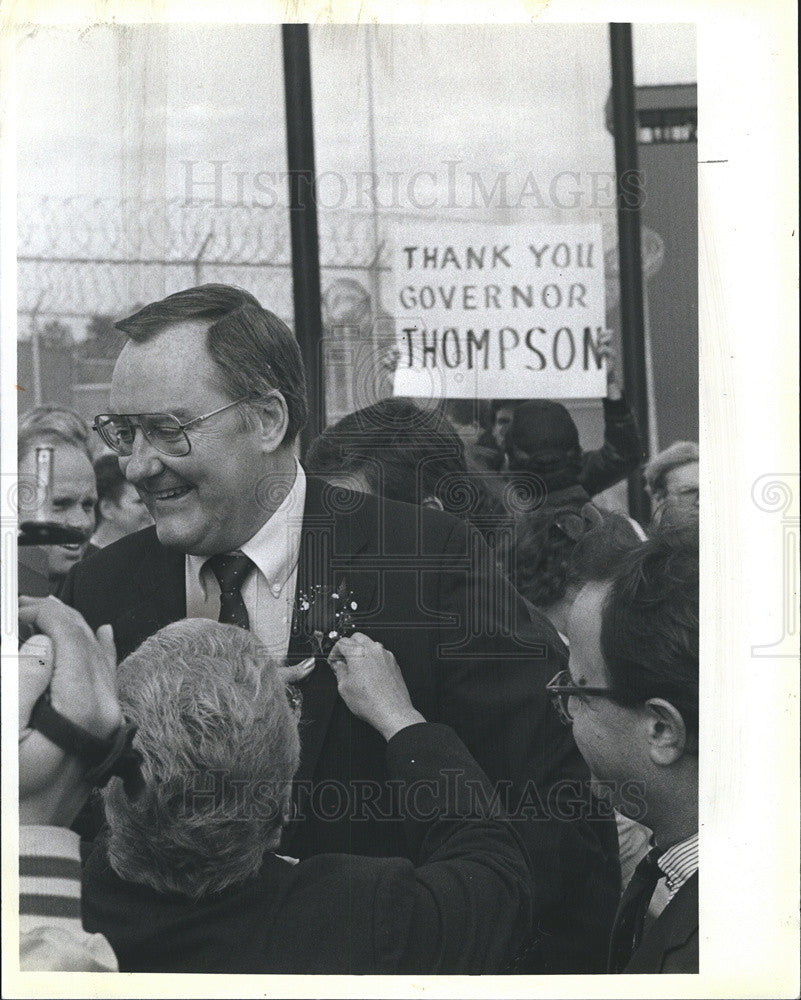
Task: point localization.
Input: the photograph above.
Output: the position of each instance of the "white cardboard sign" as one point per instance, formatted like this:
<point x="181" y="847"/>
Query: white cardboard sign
<point x="504" y="312"/>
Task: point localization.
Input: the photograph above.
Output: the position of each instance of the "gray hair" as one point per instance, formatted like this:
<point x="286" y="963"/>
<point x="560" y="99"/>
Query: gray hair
<point x="220" y="748"/>
<point x="679" y="453"/>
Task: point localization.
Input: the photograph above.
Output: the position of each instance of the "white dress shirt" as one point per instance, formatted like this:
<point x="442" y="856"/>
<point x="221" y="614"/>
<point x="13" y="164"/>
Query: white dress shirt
<point x="269" y="589"/>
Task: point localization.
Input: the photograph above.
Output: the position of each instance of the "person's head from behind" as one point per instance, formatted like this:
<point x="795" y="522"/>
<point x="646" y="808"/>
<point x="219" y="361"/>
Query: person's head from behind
<point x="671" y="479"/>
<point x="543" y="440"/>
<point x="397" y="450"/>
<point x="220" y="747"/>
<point x="120" y="509"/>
<point x="556" y="546"/>
<point x="634" y="638"/>
<point x="74" y="493"/>
<point x="212" y="359"/>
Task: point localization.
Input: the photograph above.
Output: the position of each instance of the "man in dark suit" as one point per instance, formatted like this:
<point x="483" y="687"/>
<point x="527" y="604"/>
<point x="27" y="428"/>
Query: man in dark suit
<point x="208" y="397"/>
<point x="631" y="696"/>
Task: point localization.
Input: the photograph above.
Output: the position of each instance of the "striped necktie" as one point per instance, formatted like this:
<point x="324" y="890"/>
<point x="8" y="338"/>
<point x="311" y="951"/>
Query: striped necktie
<point x="231" y="568"/>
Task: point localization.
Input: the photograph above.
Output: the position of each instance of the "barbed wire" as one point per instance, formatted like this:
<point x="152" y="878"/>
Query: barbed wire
<point x="81" y="257"/>
<point x="78" y="258"/>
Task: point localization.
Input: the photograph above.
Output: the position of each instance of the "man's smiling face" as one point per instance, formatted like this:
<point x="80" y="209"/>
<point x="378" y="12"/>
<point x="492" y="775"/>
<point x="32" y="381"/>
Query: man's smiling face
<point x="207" y="501"/>
<point x="72" y="502"/>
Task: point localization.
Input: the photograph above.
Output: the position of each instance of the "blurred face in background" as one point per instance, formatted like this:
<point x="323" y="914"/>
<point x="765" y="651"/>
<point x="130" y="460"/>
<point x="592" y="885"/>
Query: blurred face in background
<point x="678" y="499"/>
<point x="503" y="419"/>
<point x="126" y="514"/>
<point x="681" y="484"/>
<point x="72" y="502"/>
<point x="469" y="433"/>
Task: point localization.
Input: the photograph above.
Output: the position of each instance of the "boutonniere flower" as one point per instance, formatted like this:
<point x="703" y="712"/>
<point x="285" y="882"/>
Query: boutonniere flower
<point x="323" y="616"/>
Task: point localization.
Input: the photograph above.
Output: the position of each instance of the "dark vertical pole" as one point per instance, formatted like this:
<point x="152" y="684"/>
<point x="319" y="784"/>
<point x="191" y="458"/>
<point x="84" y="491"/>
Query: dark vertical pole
<point x="303" y="217"/>
<point x="629" y="193"/>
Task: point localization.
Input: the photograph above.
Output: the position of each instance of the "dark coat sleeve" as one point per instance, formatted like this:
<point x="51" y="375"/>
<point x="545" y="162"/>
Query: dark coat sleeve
<point x="620" y="454"/>
<point x="467" y="907"/>
<point x="461" y="905"/>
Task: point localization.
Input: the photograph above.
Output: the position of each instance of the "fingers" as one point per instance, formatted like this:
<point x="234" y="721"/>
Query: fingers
<point x="105" y="639"/>
<point x="50" y="615"/>
<point x="37" y="647"/>
<point x="363" y="640"/>
<point x="354" y="645"/>
<point x="83" y="685"/>
<point x="352" y="652"/>
<point x="296" y="672"/>
<point x="35" y="673"/>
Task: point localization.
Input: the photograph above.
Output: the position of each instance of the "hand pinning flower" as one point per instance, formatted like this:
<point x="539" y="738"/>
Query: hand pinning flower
<point x="324" y="618"/>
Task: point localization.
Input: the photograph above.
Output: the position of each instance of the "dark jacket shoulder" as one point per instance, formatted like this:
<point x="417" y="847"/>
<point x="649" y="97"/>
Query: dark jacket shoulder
<point x="112" y="561"/>
<point x="126" y="581"/>
<point x="671" y="943"/>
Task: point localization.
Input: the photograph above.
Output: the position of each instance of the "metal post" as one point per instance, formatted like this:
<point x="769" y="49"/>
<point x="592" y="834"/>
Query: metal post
<point x="36" y="356"/>
<point x="303" y="217"/>
<point x="629" y="192"/>
<point x="375" y="274"/>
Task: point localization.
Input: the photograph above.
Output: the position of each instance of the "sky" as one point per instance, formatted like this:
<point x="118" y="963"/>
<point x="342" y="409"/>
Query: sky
<point x="118" y="127"/>
<point x="112" y="111"/>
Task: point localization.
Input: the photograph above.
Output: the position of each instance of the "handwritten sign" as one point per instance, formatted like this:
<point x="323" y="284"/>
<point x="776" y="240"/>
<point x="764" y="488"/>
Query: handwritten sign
<point x="504" y="312"/>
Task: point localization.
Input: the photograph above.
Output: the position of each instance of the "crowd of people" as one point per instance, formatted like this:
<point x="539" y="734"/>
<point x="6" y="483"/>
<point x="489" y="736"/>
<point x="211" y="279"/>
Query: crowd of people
<point x="415" y="689"/>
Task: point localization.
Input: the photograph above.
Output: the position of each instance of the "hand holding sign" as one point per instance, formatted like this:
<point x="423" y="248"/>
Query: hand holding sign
<point x="608" y="352"/>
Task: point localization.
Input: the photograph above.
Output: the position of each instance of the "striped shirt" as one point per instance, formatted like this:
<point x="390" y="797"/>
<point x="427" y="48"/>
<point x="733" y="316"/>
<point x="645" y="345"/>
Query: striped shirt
<point x="679" y="863"/>
<point x="52" y="937"/>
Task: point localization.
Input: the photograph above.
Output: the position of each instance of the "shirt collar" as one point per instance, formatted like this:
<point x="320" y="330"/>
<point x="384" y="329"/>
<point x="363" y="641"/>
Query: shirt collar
<point x="680" y="862"/>
<point x="276" y="545"/>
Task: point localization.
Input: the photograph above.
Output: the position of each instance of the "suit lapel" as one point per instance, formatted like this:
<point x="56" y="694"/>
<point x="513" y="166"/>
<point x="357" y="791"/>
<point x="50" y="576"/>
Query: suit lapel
<point x="331" y="536"/>
<point x="335" y="530"/>
<point x="159" y="589"/>
<point x="337" y="526"/>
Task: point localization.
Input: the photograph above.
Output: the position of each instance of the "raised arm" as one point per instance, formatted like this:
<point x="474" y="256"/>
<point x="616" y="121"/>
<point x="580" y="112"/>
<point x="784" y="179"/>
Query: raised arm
<point x="466" y="906"/>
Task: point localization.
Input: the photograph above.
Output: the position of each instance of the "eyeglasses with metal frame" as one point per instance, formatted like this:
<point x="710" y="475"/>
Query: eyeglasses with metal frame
<point x="165" y="432"/>
<point x="561" y="689"/>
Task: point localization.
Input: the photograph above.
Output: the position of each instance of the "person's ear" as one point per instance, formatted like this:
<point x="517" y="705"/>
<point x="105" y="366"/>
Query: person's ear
<point x="105" y="509"/>
<point x="666" y="732"/>
<point x="273" y="414"/>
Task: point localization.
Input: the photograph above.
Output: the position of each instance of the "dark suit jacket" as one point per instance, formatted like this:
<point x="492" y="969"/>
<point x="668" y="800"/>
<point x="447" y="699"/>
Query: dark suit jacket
<point x="465" y="908"/>
<point x="671" y="943"/>
<point x="474" y="656"/>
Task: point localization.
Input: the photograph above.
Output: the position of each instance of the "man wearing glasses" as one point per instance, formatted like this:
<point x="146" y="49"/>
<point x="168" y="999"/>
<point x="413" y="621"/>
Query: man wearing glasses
<point x="631" y="697"/>
<point x="207" y="399"/>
